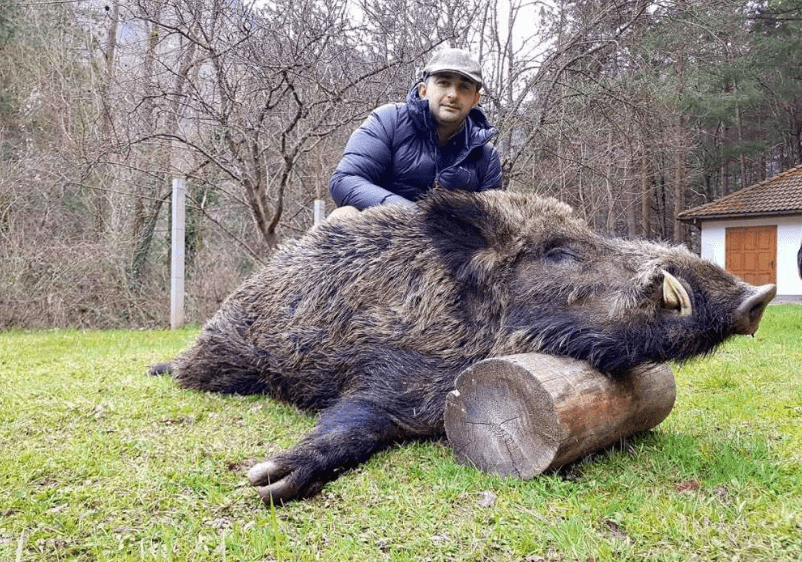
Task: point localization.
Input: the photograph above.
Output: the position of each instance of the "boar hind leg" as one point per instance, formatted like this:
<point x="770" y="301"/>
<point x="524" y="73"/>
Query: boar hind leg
<point x="347" y="434"/>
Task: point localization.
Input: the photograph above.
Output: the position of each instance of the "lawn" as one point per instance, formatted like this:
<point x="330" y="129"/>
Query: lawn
<point x="99" y="461"/>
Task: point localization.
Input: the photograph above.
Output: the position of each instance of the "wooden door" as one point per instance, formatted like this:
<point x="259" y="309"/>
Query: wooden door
<point x="752" y="253"/>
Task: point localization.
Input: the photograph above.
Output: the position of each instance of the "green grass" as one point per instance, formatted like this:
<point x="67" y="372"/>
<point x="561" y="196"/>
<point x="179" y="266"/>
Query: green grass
<point x="99" y="461"/>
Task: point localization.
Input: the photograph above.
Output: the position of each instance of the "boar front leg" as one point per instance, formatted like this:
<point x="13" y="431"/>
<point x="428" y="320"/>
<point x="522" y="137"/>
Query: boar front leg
<point x="347" y="434"/>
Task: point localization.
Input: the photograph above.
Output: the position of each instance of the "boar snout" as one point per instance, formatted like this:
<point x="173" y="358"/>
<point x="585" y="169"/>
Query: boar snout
<point x="749" y="312"/>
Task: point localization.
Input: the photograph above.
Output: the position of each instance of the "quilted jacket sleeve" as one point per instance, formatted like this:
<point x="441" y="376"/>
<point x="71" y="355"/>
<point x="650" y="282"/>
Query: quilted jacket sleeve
<point x="492" y="178"/>
<point x="366" y="160"/>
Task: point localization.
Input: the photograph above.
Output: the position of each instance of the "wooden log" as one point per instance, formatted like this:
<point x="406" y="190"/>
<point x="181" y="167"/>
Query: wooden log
<point x="521" y="415"/>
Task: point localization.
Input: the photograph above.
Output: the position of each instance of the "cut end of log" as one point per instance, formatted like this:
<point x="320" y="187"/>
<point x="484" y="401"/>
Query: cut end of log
<point x="502" y="420"/>
<point x="521" y="415"/>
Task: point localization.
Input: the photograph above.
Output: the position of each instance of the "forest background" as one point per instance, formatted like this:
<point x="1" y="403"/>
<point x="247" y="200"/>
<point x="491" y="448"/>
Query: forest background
<point x="630" y="111"/>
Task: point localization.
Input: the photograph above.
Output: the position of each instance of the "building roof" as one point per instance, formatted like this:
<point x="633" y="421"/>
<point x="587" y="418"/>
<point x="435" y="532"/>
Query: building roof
<point x="780" y="195"/>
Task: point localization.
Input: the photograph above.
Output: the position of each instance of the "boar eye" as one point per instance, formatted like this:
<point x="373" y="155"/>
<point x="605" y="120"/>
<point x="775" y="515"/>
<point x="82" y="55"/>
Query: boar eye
<point x="559" y="255"/>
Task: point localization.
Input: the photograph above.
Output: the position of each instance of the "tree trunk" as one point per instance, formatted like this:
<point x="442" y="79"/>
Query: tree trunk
<point x="741" y="157"/>
<point x="646" y="191"/>
<point x="109" y="58"/>
<point x="144" y="240"/>
<point x="679" y="180"/>
<point x="155" y="188"/>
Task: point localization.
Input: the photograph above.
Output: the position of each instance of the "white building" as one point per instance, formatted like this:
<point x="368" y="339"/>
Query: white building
<point x="756" y="232"/>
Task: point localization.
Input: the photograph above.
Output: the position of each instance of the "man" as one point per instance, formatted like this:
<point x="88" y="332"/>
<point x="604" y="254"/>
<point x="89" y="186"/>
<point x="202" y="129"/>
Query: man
<point x="439" y="137"/>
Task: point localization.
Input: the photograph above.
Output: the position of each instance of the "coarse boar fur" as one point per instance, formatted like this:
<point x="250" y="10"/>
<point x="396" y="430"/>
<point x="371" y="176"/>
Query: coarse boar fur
<point x="368" y="320"/>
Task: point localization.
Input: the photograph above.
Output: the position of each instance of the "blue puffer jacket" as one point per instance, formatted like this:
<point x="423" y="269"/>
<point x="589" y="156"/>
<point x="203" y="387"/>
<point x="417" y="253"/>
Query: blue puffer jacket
<point x="394" y="158"/>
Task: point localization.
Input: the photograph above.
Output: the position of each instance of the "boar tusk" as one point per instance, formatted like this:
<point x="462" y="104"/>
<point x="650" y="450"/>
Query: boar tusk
<point x="675" y="296"/>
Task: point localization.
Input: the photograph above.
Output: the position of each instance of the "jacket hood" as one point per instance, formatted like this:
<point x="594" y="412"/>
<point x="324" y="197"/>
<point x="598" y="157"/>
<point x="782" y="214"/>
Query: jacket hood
<point x="480" y="131"/>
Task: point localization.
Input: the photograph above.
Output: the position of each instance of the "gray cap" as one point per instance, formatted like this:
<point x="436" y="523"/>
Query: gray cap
<point x="455" y="60"/>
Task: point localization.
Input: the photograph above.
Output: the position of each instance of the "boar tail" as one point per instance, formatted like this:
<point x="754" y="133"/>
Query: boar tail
<point x="161" y="369"/>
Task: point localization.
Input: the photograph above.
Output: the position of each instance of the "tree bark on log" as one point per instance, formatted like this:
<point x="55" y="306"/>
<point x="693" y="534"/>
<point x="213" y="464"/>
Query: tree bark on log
<point x="521" y="415"/>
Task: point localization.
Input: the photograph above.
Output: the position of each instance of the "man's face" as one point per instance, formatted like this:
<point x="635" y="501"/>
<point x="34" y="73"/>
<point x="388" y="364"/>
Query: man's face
<point x="451" y="97"/>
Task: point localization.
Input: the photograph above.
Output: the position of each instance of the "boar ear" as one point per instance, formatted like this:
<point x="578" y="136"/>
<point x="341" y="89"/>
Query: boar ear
<point x="464" y="229"/>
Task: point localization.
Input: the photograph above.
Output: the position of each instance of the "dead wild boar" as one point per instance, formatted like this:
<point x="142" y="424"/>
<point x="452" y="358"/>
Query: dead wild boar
<point x="368" y="320"/>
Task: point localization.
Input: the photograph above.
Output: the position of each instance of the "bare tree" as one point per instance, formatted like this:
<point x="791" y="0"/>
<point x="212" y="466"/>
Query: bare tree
<point x="552" y="94"/>
<point x="257" y="89"/>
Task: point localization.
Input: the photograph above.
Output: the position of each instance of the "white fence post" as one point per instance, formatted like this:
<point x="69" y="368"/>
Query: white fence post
<point x="319" y="211"/>
<point x="177" y="255"/>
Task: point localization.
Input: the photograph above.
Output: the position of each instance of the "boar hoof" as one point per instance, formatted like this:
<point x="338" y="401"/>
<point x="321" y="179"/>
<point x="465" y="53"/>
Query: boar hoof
<point x="265" y="472"/>
<point x="280" y="483"/>
<point x="278" y="493"/>
<point x="273" y="482"/>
